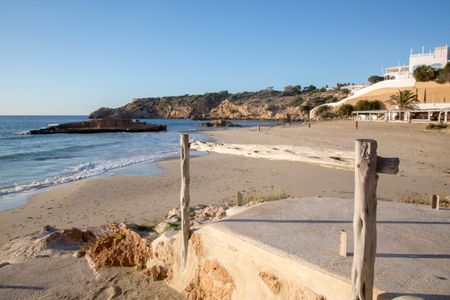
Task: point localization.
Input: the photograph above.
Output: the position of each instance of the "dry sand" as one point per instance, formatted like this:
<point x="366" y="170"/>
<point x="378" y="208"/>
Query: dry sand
<point x="67" y="277"/>
<point x="424" y="170"/>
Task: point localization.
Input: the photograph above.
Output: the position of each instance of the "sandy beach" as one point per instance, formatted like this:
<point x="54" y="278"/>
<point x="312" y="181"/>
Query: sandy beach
<point x="424" y="170"/>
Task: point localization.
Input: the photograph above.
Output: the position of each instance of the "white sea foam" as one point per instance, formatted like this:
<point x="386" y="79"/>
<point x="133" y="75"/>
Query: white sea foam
<point x="82" y="171"/>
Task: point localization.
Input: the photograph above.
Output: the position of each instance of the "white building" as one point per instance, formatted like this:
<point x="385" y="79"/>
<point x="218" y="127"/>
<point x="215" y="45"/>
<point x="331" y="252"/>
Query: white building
<point x="436" y="59"/>
<point x="355" y="87"/>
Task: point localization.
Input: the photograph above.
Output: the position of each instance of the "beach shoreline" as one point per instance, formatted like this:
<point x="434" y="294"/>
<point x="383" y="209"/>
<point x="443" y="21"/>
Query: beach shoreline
<point x="216" y="178"/>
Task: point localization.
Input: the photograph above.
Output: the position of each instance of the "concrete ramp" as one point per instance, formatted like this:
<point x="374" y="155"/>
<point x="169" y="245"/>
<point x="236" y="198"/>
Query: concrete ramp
<point x="289" y="250"/>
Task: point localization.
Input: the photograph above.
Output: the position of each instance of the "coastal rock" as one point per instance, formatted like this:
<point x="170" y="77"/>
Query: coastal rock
<point x="156" y="273"/>
<point x="123" y="247"/>
<point x="271" y="281"/>
<point x="211" y="281"/>
<point x="101" y="126"/>
<point x="199" y="214"/>
<point x="208" y="214"/>
<point x="159" y="266"/>
<point x="161" y="227"/>
<point x="197" y="244"/>
<point x="219" y="123"/>
<point x="265" y="104"/>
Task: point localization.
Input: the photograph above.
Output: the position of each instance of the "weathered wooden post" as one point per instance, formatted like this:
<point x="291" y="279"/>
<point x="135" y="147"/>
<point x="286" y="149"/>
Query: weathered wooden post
<point x="435" y="201"/>
<point x="184" y="197"/>
<point x="343" y="243"/>
<point x="239" y="199"/>
<point x="367" y="164"/>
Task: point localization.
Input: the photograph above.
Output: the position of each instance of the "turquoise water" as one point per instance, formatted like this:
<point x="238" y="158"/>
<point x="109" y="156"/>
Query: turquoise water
<point x="29" y="163"/>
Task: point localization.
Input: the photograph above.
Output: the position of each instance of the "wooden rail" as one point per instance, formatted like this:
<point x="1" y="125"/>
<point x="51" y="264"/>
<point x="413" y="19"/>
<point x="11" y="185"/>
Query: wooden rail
<point x="367" y="166"/>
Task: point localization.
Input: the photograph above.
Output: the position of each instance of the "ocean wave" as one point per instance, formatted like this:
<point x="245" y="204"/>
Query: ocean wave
<point x="85" y="170"/>
<point x="25" y="132"/>
<point x="51" y="153"/>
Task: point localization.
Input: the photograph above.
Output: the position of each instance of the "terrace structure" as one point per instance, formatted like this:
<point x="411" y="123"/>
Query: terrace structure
<point x="436" y="59"/>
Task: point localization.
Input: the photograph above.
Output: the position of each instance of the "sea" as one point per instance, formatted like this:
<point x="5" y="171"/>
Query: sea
<point x="33" y="163"/>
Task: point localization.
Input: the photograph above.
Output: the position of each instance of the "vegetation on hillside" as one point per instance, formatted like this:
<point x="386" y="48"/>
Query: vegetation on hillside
<point x="345" y="110"/>
<point x="404" y="100"/>
<point x="294" y="101"/>
<point x="438" y="126"/>
<point x="374" y="79"/>
<point x="428" y="73"/>
<point x="368" y="105"/>
<point x="444" y="74"/>
<point x="425" y="73"/>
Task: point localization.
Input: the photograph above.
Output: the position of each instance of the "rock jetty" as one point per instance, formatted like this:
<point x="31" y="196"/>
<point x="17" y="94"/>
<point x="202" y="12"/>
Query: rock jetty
<point x="101" y="125"/>
<point x="219" y="123"/>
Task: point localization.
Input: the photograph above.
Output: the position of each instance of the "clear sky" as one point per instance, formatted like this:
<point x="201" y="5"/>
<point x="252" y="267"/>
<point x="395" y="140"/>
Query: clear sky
<point x="71" y="57"/>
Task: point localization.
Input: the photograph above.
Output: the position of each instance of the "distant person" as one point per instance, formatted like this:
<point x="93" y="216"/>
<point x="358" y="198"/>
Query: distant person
<point x="288" y="119"/>
<point x="356" y="124"/>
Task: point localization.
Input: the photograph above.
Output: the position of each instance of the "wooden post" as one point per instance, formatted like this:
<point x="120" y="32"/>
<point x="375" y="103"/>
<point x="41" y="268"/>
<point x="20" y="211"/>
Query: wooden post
<point x="184" y="197"/>
<point x="367" y="165"/>
<point x="343" y="243"/>
<point x="239" y="199"/>
<point x="435" y="201"/>
<point x="364" y="219"/>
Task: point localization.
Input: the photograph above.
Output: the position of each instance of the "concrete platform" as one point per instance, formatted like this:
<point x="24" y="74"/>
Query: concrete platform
<point x="413" y="252"/>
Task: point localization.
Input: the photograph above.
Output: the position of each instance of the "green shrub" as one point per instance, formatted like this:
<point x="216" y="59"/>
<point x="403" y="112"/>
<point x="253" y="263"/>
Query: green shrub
<point x="118" y="235"/>
<point x="144" y="227"/>
<point x="328" y="115"/>
<point x="273" y="195"/>
<point x="374" y="79"/>
<point x="292" y="90"/>
<point x="438" y="126"/>
<point x="322" y="109"/>
<point x="175" y="226"/>
<point x="345" y="110"/>
<point x="297" y="101"/>
<point x="367" y="105"/>
<point x="425" y="73"/>
<point x="444" y="74"/>
<point x="331" y="100"/>
<point x="325" y="113"/>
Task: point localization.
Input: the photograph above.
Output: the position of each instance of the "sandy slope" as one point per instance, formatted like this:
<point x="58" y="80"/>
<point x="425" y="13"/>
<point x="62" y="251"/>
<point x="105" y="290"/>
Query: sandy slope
<point x="431" y="91"/>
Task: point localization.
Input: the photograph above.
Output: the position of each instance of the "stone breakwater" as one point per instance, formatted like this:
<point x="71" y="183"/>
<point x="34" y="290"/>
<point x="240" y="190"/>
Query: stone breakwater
<point x="99" y="126"/>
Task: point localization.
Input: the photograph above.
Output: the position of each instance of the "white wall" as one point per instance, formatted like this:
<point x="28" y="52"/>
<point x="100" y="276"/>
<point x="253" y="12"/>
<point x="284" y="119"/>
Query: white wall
<point x="439" y="56"/>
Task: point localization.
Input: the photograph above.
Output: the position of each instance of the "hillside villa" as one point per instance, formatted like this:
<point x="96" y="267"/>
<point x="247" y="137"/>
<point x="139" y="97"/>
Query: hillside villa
<point x="433" y="97"/>
<point x="436" y="59"/>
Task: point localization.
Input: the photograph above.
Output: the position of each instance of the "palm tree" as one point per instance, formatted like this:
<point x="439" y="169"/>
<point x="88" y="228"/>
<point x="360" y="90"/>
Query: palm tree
<point x="405" y="100"/>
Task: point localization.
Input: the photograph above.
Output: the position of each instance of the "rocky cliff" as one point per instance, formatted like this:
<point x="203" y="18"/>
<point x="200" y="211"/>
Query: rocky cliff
<point x="266" y="104"/>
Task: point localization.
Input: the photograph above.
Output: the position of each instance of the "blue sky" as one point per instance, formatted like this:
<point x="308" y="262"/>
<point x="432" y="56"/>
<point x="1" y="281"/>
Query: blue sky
<point x="71" y="57"/>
